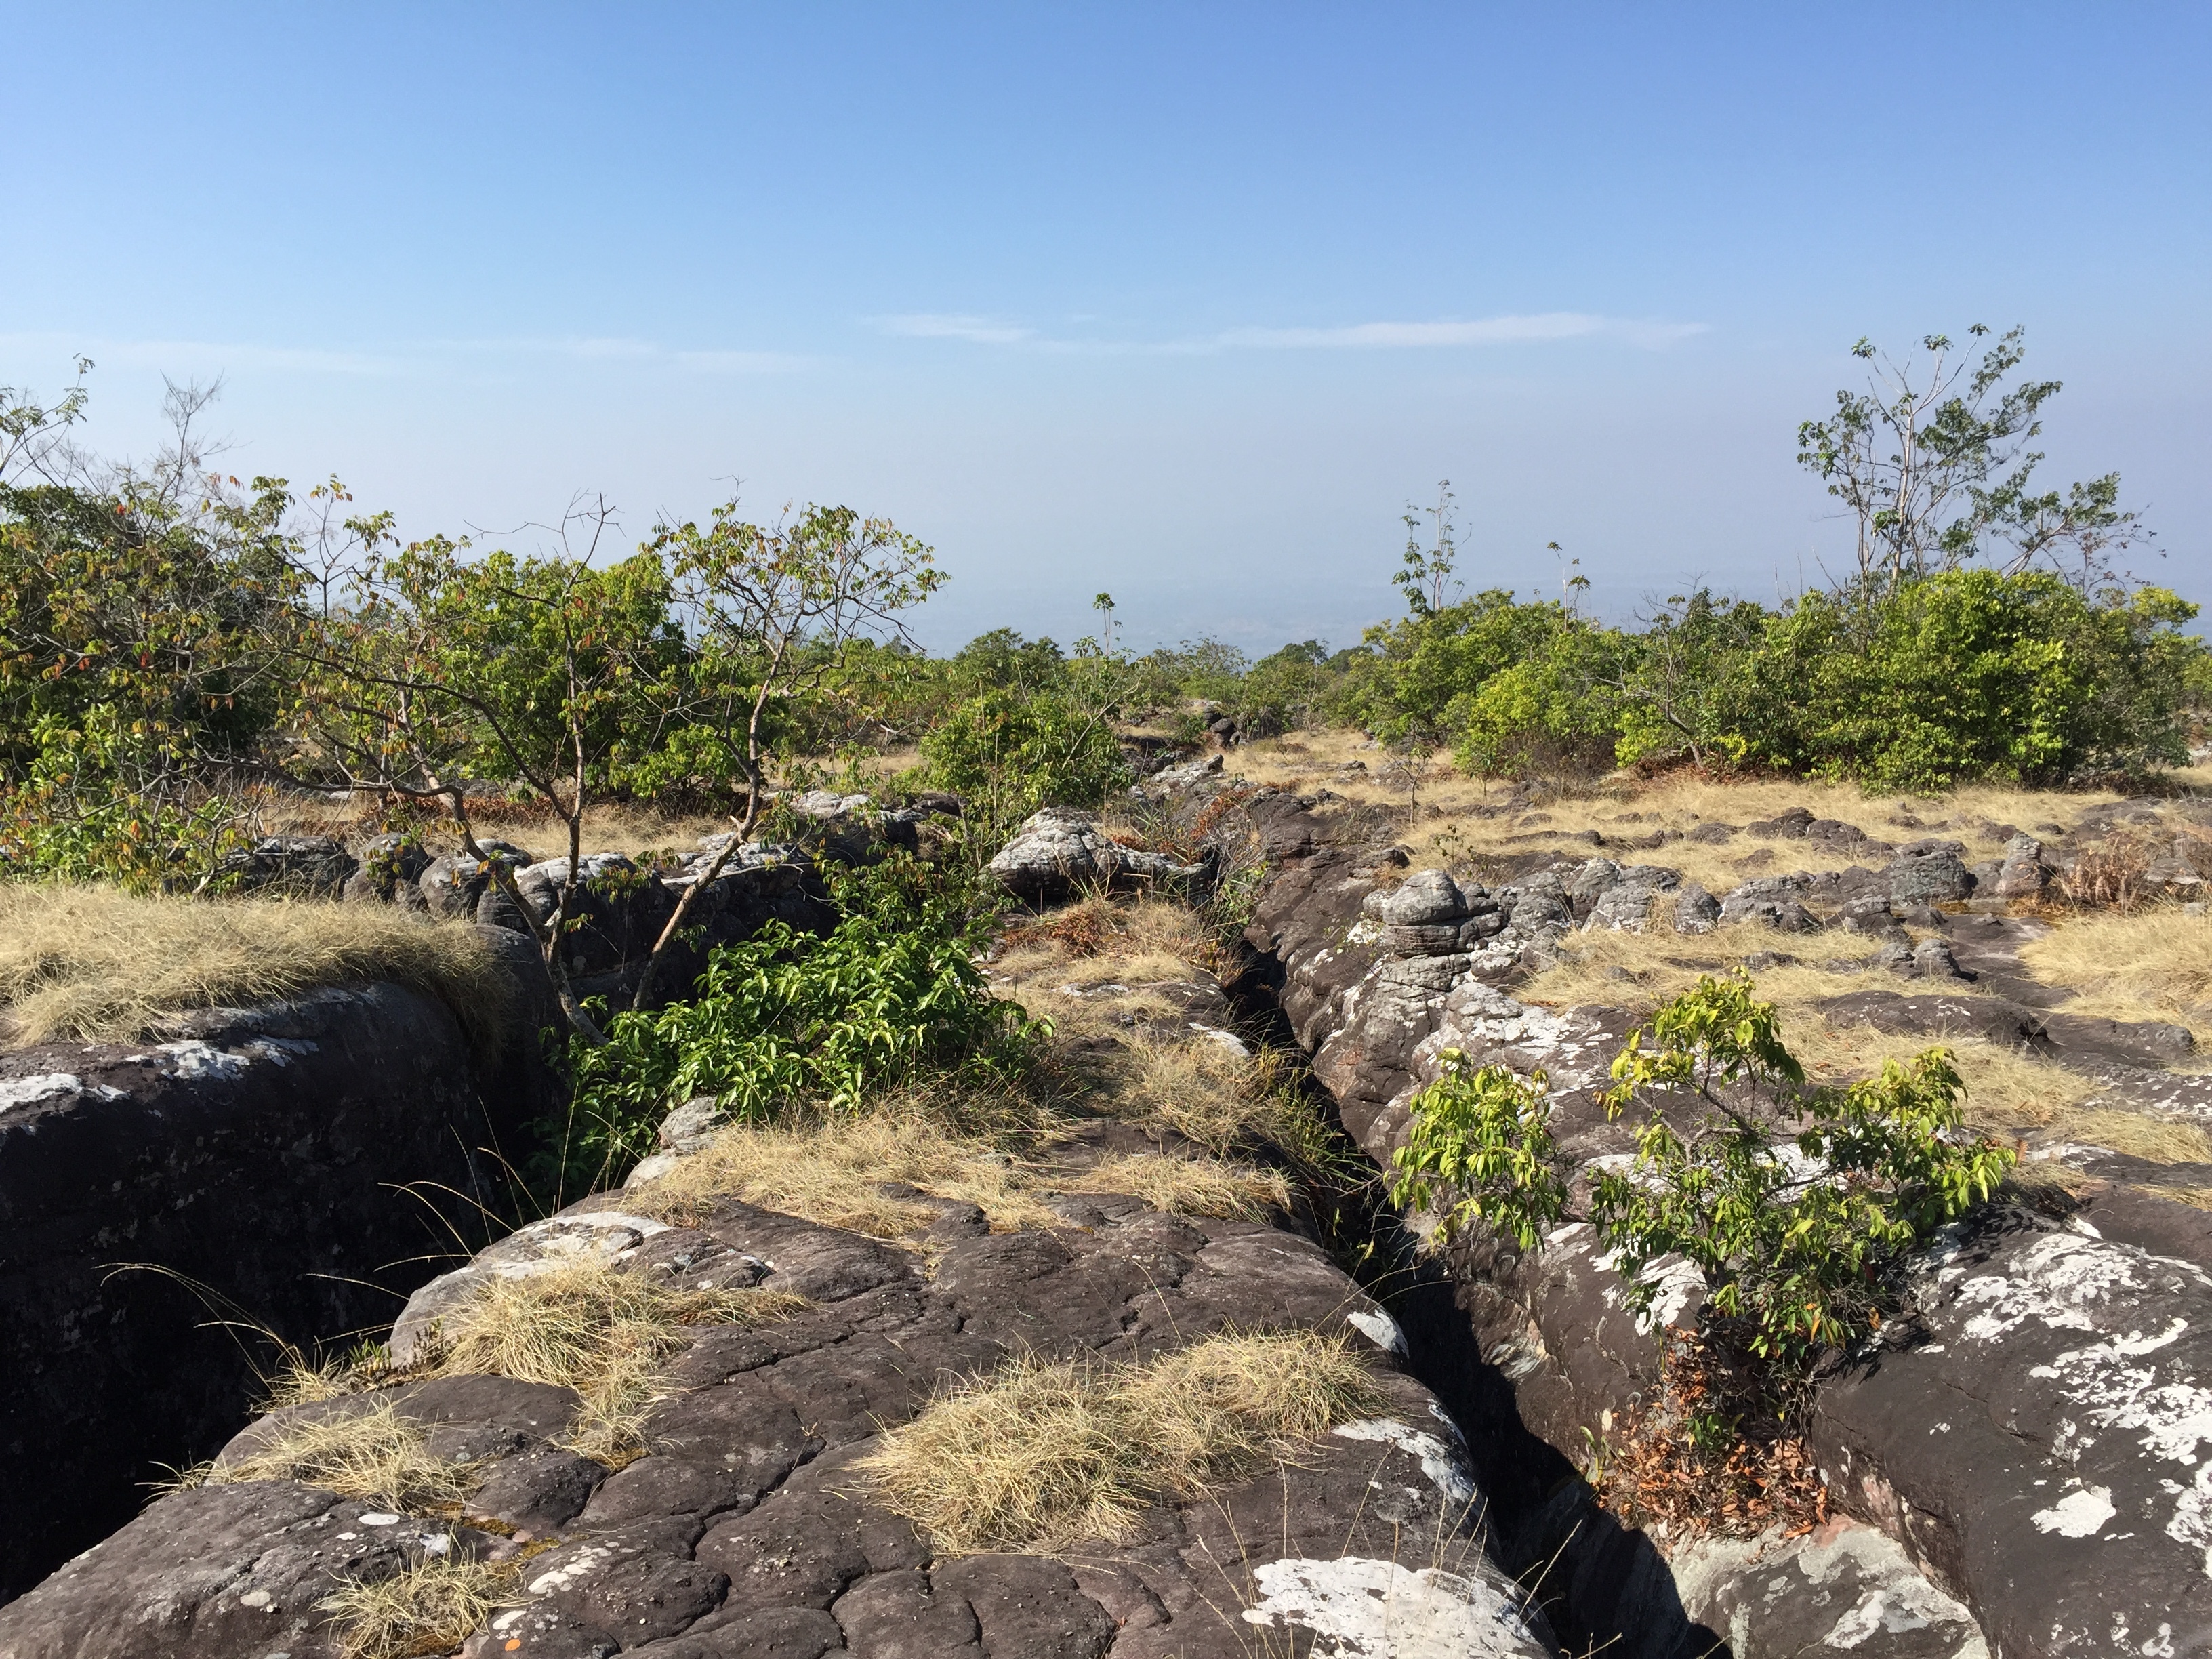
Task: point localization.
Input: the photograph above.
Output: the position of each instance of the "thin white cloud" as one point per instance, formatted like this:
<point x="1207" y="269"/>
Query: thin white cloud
<point x="1377" y="335"/>
<point x="941" y="325"/>
<point x="1487" y="331"/>
<point x="414" y="358"/>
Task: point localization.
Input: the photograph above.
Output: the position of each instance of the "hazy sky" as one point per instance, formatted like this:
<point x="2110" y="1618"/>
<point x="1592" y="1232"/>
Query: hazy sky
<point x="1182" y="302"/>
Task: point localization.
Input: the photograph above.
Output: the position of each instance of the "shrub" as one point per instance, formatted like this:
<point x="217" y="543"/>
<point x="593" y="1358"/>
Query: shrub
<point x="1972" y="673"/>
<point x="1008" y="751"/>
<point x="1794" y="1233"/>
<point x="787" y="1019"/>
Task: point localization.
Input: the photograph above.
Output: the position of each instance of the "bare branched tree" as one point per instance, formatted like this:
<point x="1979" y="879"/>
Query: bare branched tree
<point x="1933" y="461"/>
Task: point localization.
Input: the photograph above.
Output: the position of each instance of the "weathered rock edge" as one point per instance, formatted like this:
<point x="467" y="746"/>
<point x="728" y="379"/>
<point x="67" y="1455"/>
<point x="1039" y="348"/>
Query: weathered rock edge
<point x="253" y="1163"/>
<point x="748" y="1530"/>
<point x="2035" y="1450"/>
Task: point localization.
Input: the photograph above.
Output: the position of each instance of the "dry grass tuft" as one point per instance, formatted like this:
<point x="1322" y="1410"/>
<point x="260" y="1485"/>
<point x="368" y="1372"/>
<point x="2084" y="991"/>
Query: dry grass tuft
<point x="836" y="1172"/>
<point x="1652" y="967"/>
<point x="1188" y="1186"/>
<point x="428" y="1609"/>
<point x="597" y="1328"/>
<point x="2148" y="964"/>
<point x="1098" y="939"/>
<point x="2157" y="1140"/>
<point x="373" y="1455"/>
<point x="97" y="963"/>
<point x="1041" y="1456"/>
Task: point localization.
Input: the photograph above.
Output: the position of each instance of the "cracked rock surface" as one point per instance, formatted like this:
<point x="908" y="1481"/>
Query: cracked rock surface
<point x="749" y="1530"/>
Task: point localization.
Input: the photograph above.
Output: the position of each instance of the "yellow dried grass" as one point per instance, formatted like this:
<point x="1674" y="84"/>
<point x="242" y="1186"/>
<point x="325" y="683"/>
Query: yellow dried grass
<point x="597" y="1328"/>
<point x="373" y="1455"/>
<point x="834" y="1171"/>
<point x="1188" y="1186"/>
<point x="431" y="1608"/>
<point x="99" y="964"/>
<point x="2149" y="965"/>
<point x="1042" y="1457"/>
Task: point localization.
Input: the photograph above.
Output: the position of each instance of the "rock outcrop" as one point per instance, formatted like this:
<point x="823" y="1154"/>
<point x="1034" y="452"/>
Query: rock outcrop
<point x="294" y="1166"/>
<point x="2019" y="1467"/>
<point x="1059" y="852"/>
<point x="752" y="1529"/>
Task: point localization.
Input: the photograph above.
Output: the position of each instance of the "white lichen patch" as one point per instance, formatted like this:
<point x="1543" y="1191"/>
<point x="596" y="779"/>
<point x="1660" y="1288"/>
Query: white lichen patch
<point x="48" y="1085"/>
<point x="1361" y="1608"/>
<point x="2061" y="1280"/>
<point x="1440" y="1460"/>
<point x="2080" y="1514"/>
<point x="193" y="1059"/>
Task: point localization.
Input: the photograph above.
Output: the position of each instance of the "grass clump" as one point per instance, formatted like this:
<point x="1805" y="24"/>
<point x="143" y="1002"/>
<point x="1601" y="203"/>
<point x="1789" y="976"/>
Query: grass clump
<point x="1190" y="1186"/>
<point x="844" y="1172"/>
<point x="596" y="1328"/>
<point x="1043" y="1454"/>
<point x="2153" y="963"/>
<point x="373" y="1455"/>
<point x="785" y="1021"/>
<point x="427" y="1609"/>
<point x="101" y="964"/>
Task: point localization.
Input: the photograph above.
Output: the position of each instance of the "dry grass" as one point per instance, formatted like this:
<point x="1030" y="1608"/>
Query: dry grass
<point x="373" y="1455"/>
<point x="1043" y="1455"/>
<point x="1097" y="941"/>
<point x="2008" y="1090"/>
<point x="427" y="1609"/>
<point x="594" y="1326"/>
<point x="2154" y="963"/>
<point x="1188" y="1186"/>
<point x="835" y="1172"/>
<point x="2156" y="1140"/>
<point x="1452" y="832"/>
<point x="97" y="964"/>
<point x="1647" y="969"/>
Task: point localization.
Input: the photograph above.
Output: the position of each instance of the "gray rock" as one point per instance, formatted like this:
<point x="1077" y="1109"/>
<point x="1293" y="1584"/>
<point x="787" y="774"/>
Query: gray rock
<point x="1630" y="901"/>
<point x="313" y="866"/>
<point x="1060" y="851"/>
<point x="1426" y="897"/>
<point x="1769" y="902"/>
<point x="693" y="1124"/>
<point x="1187" y="775"/>
<point x="1929" y="872"/>
<point x="454" y="884"/>
<point x="1932" y="959"/>
<point x="1589" y="884"/>
<point x="2045" y="1440"/>
<point x="1696" y="910"/>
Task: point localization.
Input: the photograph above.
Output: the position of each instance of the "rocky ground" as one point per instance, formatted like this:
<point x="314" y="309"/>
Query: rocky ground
<point x="741" y="1520"/>
<point x="2022" y="1460"/>
<point x="2016" y="1469"/>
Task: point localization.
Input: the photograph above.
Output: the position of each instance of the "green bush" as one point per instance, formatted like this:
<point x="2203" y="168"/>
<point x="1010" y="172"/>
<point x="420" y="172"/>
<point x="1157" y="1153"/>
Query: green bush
<point x="1975" y="674"/>
<point x="787" y="1019"/>
<point x="1798" y="1235"/>
<point x="1008" y="751"/>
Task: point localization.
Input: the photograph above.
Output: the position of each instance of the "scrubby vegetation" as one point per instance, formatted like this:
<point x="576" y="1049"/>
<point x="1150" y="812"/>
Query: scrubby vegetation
<point x="1795" y="1203"/>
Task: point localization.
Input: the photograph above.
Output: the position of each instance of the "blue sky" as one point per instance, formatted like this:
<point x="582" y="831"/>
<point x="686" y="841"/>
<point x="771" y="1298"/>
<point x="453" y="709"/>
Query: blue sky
<point x="1181" y="302"/>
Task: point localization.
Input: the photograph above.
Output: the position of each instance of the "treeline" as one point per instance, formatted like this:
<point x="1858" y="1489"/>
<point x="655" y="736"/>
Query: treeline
<point x="172" y="638"/>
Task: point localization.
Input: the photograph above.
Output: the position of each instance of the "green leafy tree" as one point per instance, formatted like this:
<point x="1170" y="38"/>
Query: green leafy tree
<point x="1974" y="673"/>
<point x="1796" y="1202"/>
<point x="1686" y="684"/>
<point x="137" y="672"/>
<point x="771" y="611"/>
<point x="440" y="677"/>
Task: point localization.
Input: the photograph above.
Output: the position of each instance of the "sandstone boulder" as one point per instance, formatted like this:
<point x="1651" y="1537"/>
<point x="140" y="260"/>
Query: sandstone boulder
<point x="1060" y="851"/>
